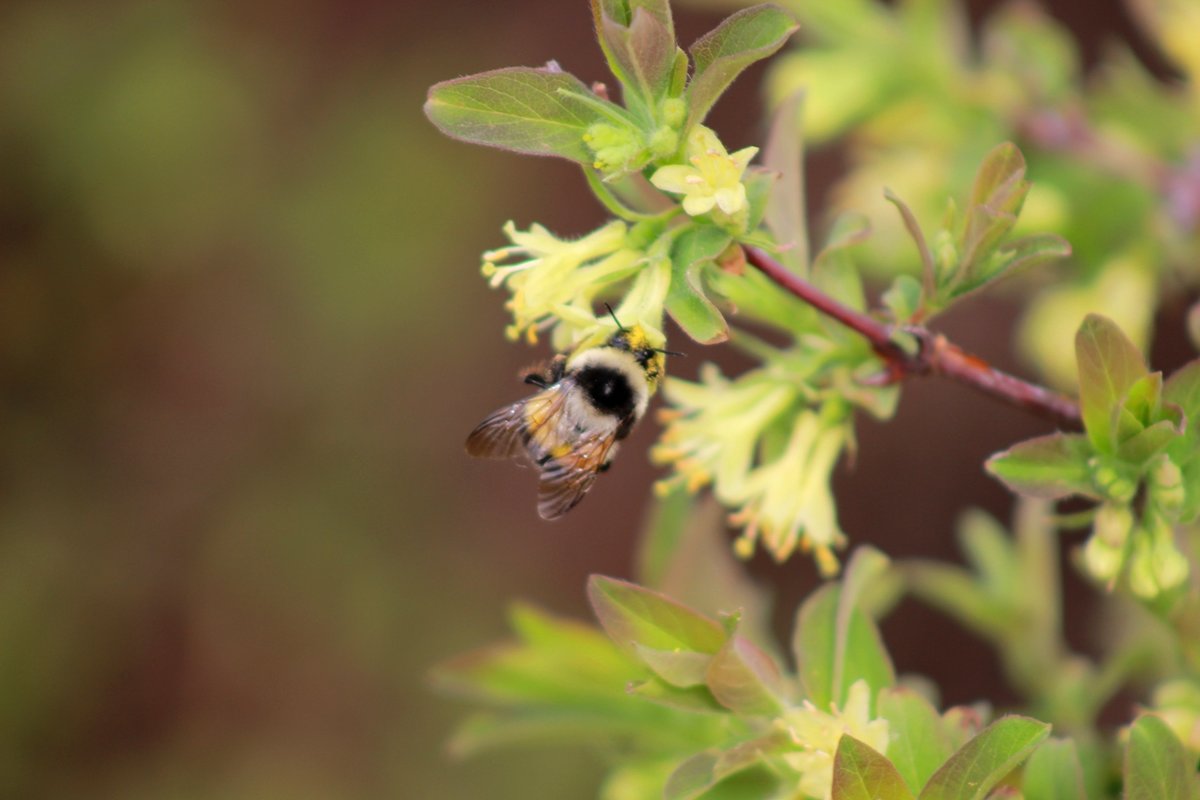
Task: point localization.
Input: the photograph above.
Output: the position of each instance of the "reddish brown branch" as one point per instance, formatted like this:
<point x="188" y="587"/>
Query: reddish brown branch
<point x="935" y="355"/>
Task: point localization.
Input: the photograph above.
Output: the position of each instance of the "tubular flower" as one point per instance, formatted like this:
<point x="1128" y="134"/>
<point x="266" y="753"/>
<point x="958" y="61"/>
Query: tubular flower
<point x="787" y="502"/>
<point x="719" y="432"/>
<point x="714" y="179"/>
<point x="817" y="733"/>
<point x="714" y="428"/>
<point x="556" y="280"/>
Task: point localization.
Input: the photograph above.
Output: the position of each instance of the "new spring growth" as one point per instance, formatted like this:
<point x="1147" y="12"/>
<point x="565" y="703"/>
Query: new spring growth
<point x="816" y="734"/>
<point x="621" y="147"/>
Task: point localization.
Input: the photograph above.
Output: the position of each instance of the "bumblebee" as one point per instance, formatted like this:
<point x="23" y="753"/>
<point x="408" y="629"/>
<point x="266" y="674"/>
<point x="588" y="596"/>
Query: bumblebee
<point x="570" y="429"/>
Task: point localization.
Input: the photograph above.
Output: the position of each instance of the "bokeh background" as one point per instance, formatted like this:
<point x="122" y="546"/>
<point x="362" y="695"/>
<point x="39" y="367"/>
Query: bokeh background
<point x="242" y="337"/>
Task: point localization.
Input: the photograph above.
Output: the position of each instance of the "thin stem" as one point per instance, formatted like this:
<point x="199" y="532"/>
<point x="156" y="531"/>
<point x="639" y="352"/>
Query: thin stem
<point x="936" y="354"/>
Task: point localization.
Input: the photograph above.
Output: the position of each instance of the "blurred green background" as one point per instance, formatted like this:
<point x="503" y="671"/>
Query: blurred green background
<point x="242" y="337"/>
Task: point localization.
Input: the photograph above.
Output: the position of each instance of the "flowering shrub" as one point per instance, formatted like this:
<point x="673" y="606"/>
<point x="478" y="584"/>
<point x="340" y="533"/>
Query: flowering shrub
<point x="697" y="701"/>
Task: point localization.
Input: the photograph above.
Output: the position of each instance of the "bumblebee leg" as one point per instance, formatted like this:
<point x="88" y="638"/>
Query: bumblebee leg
<point x="548" y="374"/>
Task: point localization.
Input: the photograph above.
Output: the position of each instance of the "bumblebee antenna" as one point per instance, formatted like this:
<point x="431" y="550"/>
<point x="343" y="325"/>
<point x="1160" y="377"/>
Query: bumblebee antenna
<point x="613" y="314"/>
<point x="668" y="352"/>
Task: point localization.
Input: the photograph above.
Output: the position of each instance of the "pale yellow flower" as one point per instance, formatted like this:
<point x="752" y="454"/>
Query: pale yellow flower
<point x="766" y="456"/>
<point x="714" y="179"/>
<point x="786" y="503"/>
<point x="816" y="734"/>
<point x="715" y="426"/>
<point x="556" y="280"/>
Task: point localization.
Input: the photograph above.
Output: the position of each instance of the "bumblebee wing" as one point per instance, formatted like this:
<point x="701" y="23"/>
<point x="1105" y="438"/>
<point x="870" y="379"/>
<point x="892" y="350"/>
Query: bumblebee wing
<point x="566" y="479"/>
<point x="506" y="433"/>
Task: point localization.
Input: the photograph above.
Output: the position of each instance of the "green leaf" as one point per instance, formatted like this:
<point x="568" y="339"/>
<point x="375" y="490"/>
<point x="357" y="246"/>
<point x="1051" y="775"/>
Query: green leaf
<point x="556" y="660"/>
<point x="920" y="742"/>
<point x="1048" y="467"/>
<point x="1148" y="442"/>
<point x="1109" y="364"/>
<point x="705" y="770"/>
<point x="638" y="39"/>
<point x="863" y="773"/>
<point x="928" y="268"/>
<point x="688" y="305"/>
<point x="834" y="647"/>
<point x="565" y="681"/>
<point x="632" y="615"/>
<point x="1054" y="772"/>
<point x="1027" y="251"/>
<point x="1156" y="765"/>
<point x="680" y="668"/>
<point x="721" y="54"/>
<point x="518" y="108"/>
<point x="693" y="699"/>
<point x="700" y="570"/>
<point x="744" y="679"/>
<point x="1182" y="390"/>
<point x="1141" y="405"/>
<point x="986" y="760"/>
<point x="785" y="214"/>
<point x="996" y="197"/>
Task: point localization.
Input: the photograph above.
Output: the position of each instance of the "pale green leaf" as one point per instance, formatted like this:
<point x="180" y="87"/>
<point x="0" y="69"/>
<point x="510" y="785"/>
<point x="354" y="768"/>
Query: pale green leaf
<point x="744" y="679"/>
<point x="638" y="39"/>
<point x="518" y="108"/>
<point x="680" y="668"/>
<point x="721" y="54"/>
<point x="920" y="742"/>
<point x="633" y="615"/>
<point x="703" y="771"/>
<point x="1109" y="364"/>
<point x="1048" y="467"/>
<point x="687" y="303"/>
<point x="863" y="773"/>
<point x="834" y="649"/>
<point x="984" y="761"/>
<point x="1054" y="772"/>
<point x="1156" y="765"/>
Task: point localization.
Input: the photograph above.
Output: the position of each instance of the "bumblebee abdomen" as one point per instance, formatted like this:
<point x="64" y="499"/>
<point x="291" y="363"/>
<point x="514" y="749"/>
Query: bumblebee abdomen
<point x="608" y="390"/>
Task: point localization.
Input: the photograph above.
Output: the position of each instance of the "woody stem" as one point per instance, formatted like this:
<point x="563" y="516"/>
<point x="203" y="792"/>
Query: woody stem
<point x="935" y="355"/>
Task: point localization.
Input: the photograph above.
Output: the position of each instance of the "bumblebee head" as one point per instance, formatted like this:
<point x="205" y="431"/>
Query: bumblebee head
<point x="633" y="340"/>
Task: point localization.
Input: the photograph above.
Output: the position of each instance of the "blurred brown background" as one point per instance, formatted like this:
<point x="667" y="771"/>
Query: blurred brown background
<point x="242" y="336"/>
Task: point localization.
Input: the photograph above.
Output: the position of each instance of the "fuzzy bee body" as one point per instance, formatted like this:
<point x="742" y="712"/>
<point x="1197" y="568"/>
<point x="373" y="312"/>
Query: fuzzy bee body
<point x="570" y="429"/>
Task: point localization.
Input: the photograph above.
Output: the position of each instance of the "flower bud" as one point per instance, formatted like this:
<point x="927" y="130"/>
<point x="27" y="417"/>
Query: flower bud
<point x="1165" y="486"/>
<point x="674" y="111"/>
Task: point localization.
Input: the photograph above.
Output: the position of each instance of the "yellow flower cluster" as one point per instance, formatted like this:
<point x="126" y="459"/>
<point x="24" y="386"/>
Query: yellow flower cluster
<point x="556" y="281"/>
<point x="765" y="455"/>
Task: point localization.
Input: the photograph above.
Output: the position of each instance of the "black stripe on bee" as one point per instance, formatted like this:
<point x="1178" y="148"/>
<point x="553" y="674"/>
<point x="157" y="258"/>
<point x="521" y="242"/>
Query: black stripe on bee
<point x="607" y="389"/>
